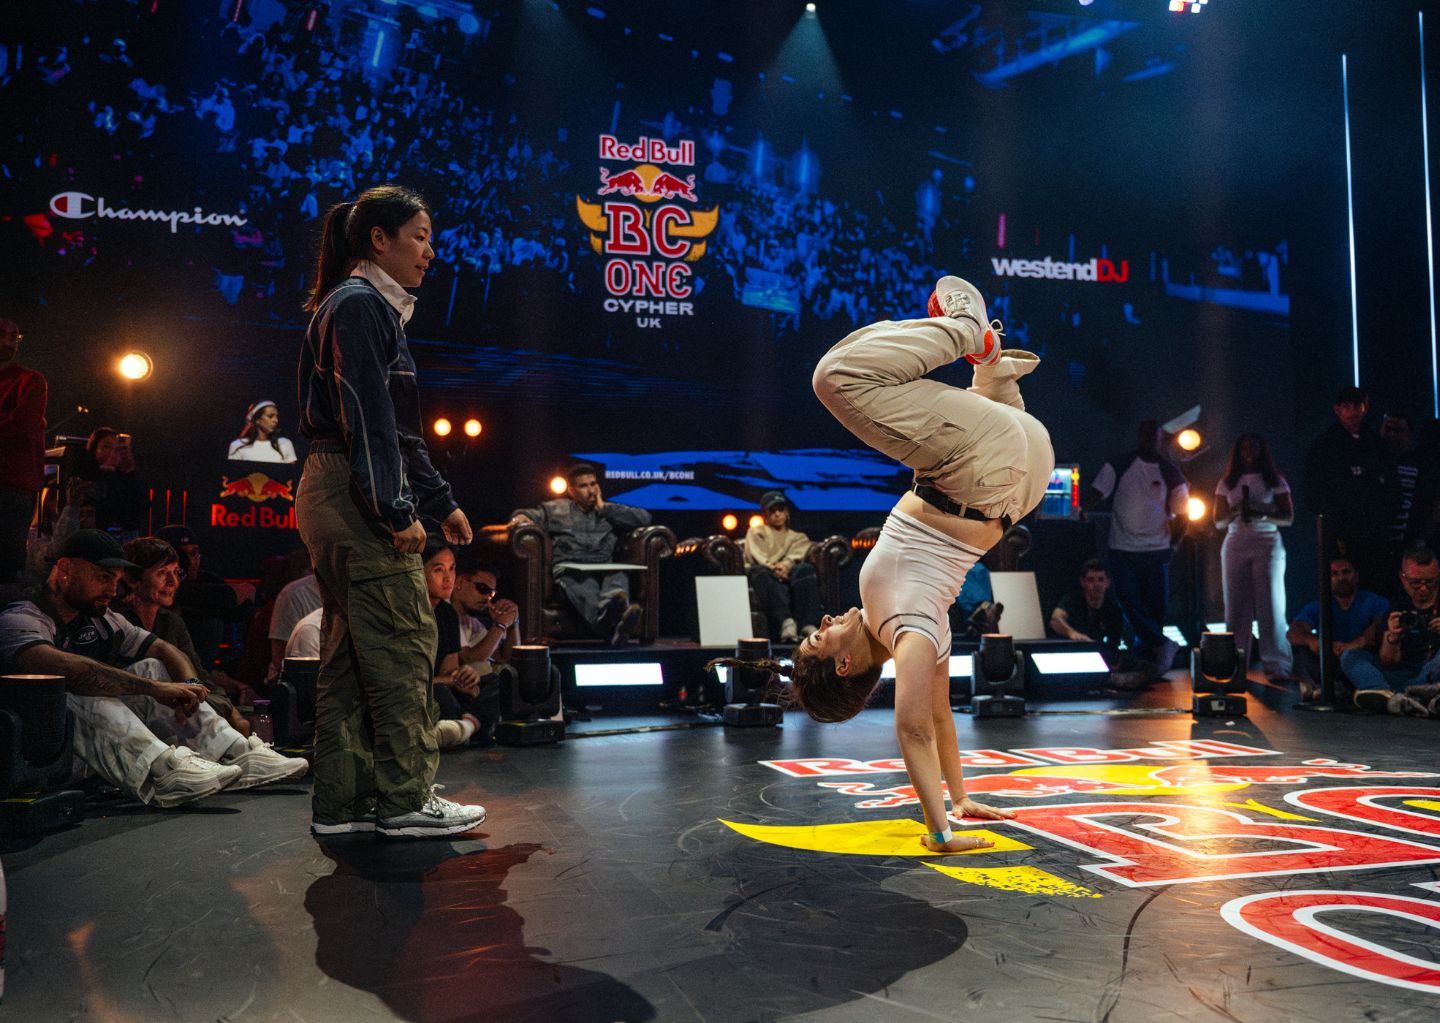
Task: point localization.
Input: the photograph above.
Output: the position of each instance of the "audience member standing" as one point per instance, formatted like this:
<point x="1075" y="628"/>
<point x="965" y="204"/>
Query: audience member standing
<point x="1252" y="502"/>
<point x="22" y="449"/>
<point x="1412" y="511"/>
<point x="260" y="440"/>
<point x="102" y="483"/>
<point x="1147" y="495"/>
<point x="1349" y="479"/>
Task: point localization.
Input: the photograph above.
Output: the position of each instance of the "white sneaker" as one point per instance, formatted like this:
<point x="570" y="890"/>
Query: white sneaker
<point x="261" y="765"/>
<point x="359" y="825"/>
<point x="788" y="632"/>
<point x="450" y="734"/>
<point x="182" y="776"/>
<point x="437" y="817"/>
<point x="960" y="300"/>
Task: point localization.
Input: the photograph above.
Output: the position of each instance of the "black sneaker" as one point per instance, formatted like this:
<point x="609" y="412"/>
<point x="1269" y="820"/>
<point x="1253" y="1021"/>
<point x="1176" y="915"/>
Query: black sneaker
<point x="1376" y="701"/>
<point x="625" y="628"/>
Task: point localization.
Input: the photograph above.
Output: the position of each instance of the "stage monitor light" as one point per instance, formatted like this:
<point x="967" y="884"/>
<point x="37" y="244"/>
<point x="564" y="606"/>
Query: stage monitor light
<point x="1217" y="674"/>
<point x="1086" y="662"/>
<point x="619" y="673"/>
<point x="1189" y="439"/>
<point x="135" y="366"/>
<point x="752" y="694"/>
<point x="960" y="666"/>
<point x="729" y="522"/>
<point x="1195" y="509"/>
<point x="529" y="699"/>
<point x="473" y="427"/>
<point x="756" y="521"/>
<point x="558" y="485"/>
<point x="442" y="427"/>
<point x="997" y="676"/>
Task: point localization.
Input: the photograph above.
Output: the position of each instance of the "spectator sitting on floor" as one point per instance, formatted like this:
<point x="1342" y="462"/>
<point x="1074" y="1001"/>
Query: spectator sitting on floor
<point x="209" y="605"/>
<point x="1409" y="645"/>
<point x="253" y="665"/>
<point x="1356" y="617"/>
<point x="1090" y="613"/>
<point x="784" y="585"/>
<point x="156" y="739"/>
<point x="583" y="528"/>
<point x="294" y="602"/>
<point x="489" y="630"/>
<point x="152" y="585"/>
<point x="456" y="686"/>
<point x="974" y="612"/>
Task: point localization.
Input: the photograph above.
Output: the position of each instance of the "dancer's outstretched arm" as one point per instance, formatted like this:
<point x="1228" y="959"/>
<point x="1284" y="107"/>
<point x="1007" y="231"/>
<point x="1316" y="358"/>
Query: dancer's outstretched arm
<point x="947" y="746"/>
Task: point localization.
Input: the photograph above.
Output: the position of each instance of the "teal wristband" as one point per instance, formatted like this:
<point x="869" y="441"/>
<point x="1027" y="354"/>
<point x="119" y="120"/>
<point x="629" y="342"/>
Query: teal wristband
<point x="941" y="837"/>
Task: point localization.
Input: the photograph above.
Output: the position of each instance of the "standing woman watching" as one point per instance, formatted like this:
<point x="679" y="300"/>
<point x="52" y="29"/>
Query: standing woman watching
<point x="1252" y="502"/>
<point x="366" y="479"/>
<point x="260" y="441"/>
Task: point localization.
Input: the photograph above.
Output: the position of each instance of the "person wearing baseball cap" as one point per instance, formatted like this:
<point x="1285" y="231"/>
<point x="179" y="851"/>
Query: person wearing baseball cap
<point x="156" y="739"/>
<point x="783" y="585"/>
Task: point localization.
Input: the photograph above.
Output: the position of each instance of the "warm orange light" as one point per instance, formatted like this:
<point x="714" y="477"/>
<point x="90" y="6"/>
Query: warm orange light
<point x="472" y="427"/>
<point x="729" y="522"/>
<point x="756" y="521"/>
<point x="135" y="366"/>
<point x="442" y="427"/>
<point x="558" y="485"/>
<point x="1195" y="509"/>
<point x="1189" y="440"/>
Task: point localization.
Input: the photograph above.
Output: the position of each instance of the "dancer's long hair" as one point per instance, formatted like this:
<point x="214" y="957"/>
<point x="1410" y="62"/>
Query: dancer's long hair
<point x="345" y="233"/>
<point x="1265" y="463"/>
<point x="815" y="686"/>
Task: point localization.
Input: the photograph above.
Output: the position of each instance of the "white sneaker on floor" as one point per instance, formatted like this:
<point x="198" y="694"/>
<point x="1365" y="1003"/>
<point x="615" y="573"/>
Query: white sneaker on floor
<point x="451" y="734"/>
<point x="359" y="825"/>
<point x="181" y="775"/>
<point x="788" y="632"/>
<point x="436" y="818"/>
<point x="261" y="765"/>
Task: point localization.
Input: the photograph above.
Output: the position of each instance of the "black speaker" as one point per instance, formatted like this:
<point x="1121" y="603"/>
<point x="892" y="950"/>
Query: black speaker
<point x="997" y="674"/>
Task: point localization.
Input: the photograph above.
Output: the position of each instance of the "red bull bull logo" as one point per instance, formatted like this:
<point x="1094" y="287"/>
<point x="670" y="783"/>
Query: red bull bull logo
<point x="259" y="489"/>
<point x="644" y="225"/>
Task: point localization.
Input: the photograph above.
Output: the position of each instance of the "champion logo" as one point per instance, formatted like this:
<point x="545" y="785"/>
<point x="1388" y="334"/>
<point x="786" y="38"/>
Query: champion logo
<point x="83" y="205"/>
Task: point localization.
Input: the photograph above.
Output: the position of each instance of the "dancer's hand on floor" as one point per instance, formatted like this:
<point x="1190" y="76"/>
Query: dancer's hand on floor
<point x="967" y="807"/>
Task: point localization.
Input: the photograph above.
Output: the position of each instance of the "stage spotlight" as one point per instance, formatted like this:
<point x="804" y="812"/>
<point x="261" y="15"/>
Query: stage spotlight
<point x="558" y="485"/>
<point x="1217" y="674"/>
<point x="746" y="688"/>
<point x="135" y="366"/>
<point x="756" y="521"/>
<point x="728" y="522"/>
<point x="473" y="427"/>
<point x="1195" y="509"/>
<point x="442" y="427"/>
<point x="998" y="678"/>
<point x="1189" y="439"/>
<point x="529" y="699"/>
<point x="809" y="8"/>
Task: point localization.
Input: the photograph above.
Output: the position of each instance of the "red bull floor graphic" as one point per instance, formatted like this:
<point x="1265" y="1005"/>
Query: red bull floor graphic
<point x="1281" y="867"/>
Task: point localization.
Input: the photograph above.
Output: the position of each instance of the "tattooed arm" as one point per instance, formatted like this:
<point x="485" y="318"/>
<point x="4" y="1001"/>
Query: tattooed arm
<point x="85" y="677"/>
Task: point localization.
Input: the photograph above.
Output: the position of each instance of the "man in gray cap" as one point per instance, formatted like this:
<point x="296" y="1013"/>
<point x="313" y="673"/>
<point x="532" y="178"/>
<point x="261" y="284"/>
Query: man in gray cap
<point x="783" y="584"/>
<point x="154" y="738"/>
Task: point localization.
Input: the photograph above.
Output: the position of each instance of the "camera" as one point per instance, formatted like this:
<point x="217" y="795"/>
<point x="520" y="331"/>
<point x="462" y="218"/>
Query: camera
<point x="1410" y="620"/>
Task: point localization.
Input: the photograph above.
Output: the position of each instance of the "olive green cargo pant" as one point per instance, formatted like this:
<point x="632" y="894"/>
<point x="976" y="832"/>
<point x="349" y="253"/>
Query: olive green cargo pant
<point x="375" y="748"/>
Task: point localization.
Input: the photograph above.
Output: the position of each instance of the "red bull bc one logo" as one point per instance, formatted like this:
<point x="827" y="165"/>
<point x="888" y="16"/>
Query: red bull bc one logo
<point x="258" y="489"/>
<point x="647" y="225"/>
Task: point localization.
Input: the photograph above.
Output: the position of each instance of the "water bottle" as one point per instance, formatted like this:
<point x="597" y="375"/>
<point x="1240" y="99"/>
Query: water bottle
<point x="261" y="725"/>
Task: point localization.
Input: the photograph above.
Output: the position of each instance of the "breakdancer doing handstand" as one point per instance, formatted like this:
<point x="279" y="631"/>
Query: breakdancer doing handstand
<point x="981" y="462"/>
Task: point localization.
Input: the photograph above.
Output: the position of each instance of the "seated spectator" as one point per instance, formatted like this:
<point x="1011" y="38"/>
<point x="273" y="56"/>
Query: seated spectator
<point x="152" y="585"/>
<point x="253" y="666"/>
<point x="1091" y="614"/>
<point x="456" y="686"/>
<point x="260" y="441"/>
<point x="156" y="739"/>
<point x="975" y="612"/>
<point x="1409" y="644"/>
<point x="296" y="600"/>
<point x="209" y="605"/>
<point x="783" y="585"/>
<point x="582" y="527"/>
<point x="489" y="630"/>
<point x="304" y="639"/>
<point x="102" y="487"/>
<point x="1356" y="618"/>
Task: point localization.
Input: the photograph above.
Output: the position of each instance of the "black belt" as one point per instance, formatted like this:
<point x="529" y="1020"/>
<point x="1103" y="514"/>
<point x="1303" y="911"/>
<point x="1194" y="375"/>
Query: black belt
<point x="935" y="499"/>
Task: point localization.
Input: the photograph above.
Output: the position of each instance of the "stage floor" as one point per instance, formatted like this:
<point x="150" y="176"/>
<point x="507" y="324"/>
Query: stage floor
<point x="1279" y="867"/>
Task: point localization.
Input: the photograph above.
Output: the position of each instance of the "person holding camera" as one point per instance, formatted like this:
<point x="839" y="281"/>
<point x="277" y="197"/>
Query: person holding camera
<point x="1396" y="679"/>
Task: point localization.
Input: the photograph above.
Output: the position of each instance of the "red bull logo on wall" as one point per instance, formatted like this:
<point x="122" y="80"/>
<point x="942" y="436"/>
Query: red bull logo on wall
<point x="258" y="489"/>
<point x="648" y="224"/>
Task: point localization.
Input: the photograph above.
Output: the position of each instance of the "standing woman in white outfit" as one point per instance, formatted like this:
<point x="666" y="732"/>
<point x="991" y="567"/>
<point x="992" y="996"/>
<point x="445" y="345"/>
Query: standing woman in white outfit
<point x="260" y="441"/>
<point x="1252" y="502"/>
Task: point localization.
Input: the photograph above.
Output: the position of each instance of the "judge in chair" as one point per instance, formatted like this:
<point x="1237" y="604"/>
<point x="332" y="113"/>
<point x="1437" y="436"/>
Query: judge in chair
<point x="583" y="528"/>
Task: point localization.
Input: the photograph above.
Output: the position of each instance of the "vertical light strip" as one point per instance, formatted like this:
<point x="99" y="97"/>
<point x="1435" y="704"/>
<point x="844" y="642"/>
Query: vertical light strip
<point x="1350" y="208"/>
<point x="1429" y="221"/>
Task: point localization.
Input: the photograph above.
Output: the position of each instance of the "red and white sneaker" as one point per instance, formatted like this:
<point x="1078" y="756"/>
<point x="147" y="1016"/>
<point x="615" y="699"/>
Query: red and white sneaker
<point x="960" y="300"/>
